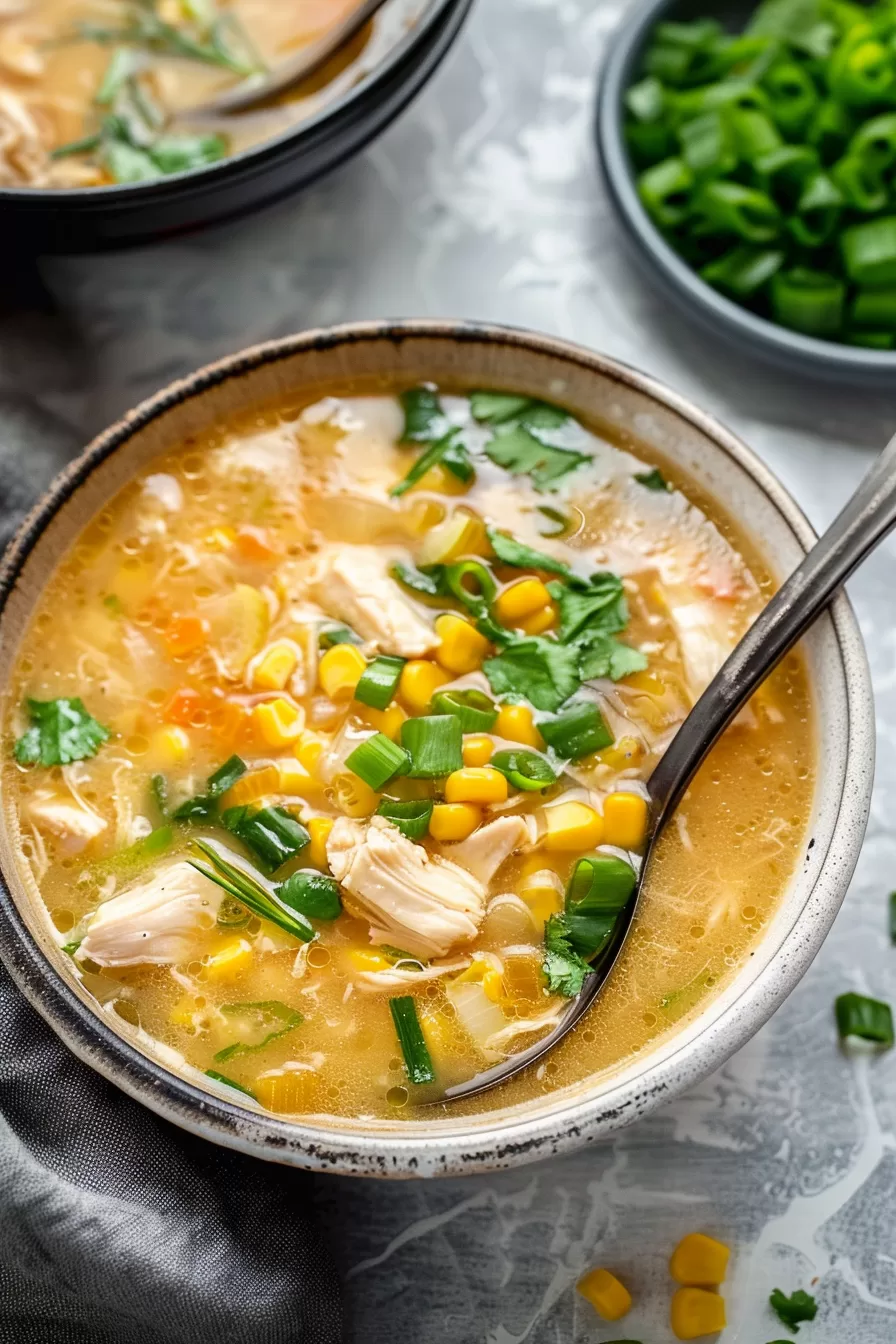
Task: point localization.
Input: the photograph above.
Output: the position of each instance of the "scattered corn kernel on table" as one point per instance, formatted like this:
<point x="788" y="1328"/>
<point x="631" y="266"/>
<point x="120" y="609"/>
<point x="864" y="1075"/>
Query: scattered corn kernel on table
<point x="484" y="202"/>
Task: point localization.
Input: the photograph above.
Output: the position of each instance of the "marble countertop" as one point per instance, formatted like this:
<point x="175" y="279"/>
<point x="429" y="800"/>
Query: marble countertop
<point x="484" y="201"/>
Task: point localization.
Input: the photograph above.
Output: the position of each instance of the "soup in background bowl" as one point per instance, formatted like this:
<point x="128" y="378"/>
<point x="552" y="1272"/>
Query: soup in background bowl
<point x="327" y="742"/>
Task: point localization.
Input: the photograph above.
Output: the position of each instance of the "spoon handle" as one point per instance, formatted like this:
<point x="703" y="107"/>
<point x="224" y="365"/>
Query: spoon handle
<point x="867" y="518"/>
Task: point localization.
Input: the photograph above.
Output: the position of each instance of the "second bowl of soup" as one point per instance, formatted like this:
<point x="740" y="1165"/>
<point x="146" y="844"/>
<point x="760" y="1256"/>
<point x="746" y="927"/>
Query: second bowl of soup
<point x="326" y="745"/>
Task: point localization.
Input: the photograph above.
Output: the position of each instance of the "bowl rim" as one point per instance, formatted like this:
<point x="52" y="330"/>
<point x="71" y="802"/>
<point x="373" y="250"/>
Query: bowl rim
<point x="500" y="1142"/>
<point x="252" y="156"/>
<point x="707" y="304"/>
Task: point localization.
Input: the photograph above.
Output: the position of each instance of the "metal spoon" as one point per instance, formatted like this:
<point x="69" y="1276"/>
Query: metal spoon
<point x="863" y="523"/>
<point x="269" y="83"/>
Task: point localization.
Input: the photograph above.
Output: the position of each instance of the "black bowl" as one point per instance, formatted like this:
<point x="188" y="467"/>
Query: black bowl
<point x="751" y="334"/>
<point x="97" y="218"/>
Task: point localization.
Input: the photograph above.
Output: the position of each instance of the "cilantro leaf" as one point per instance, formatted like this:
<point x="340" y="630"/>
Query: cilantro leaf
<point x="423" y="417"/>
<point x="564" y="968"/>
<point x="511" y="552"/>
<point x="652" y="480"/>
<point x="598" y="601"/>
<point x="799" y="1306"/>
<point x="429" y="582"/>
<point x="601" y="655"/>
<point x="520" y="452"/>
<point x="62" y="731"/>
<point x="496" y="408"/>
<point x="539" y="670"/>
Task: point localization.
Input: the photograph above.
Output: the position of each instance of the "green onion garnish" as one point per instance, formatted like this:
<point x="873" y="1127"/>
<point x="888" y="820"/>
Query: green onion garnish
<point x="417" y="1059"/>
<point x="228" y="1082"/>
<point x="652" y="480"/>
<point x="271" y="833"/>
<point x="476" y="712"/>
<point x="411" y="818"/>
<point x="864" y="1018"/>
<point x="248" y="889"/>
<point x="312" y="894"/>
<point x="204" y="806"/>
<point x="378" y="682"/>
<point x="525" y="770"/>
<point x="472" y="583"/>
<point x="601" y="882"/>
<point x="225" y="776"/>
<point x="377" y="760"/>
<point x="578" y="731"/>
<point x="337" y="634"/>
<point x="434" y="744"/>
<point x="257" y="1024"/>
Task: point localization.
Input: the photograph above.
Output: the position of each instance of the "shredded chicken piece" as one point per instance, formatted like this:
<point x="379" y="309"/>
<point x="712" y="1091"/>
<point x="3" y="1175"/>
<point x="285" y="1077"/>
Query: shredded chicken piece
<point x="486" y="849"/>
<point x="414" y="900"/>
<point x="73" y="826"/>
<point x="159" y="921"/>
<point x="23" y="158"/>
<point x="396" y="977"/>
<point x="353" y="584"/>
<point x="704" y="637"/>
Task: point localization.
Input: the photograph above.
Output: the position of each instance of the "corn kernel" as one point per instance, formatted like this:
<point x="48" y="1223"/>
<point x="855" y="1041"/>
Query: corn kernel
<point x="309" y="750"/>
<point x="695" y="1313"/>
<point x="625" y="820"/>
<point x="230" y="959"/>
<point x="521" y="599"/>
<point x="319" y="829"/>
<point x="220" y="538"/>
<point x="623" y="753"/>
<point x="699" y="1261"/>
<point x="366" y="959"/>
<point x="388" y="720"/>
<point x="477" y="749"/>
<point x="609" y="1298"/>
<point x="454" y="821"/>
<point x="439" y="1032"/>
<point x="252" y="786"/>
<point x="170" y="745"/>
<point x="275" y="667"/>
<point x="440" y="481"/>
<point x="493" y="985"/>
<point x="517" y="724"/>
<point x="183" y="1013"/>
<point x="418" y="683"/>
<point x="648" y="682"/>
<point x="292" y="777"/>
<point x="279" y="722"/>
<point x="288" y="1093"/>
<point x="539" y="621"/>
<point x="461" y="648"/>
<point x="572" y="826"/>
<point x="354" y="797"/>
<point x="339" y="671"/>
<point x="476" y="784"/>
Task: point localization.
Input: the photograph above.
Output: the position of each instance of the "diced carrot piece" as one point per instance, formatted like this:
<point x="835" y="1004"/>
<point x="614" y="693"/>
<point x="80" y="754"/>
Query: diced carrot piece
<point x="254" y="545"/>
<point x="184" y="636"/>
<point x="183" y="707"/>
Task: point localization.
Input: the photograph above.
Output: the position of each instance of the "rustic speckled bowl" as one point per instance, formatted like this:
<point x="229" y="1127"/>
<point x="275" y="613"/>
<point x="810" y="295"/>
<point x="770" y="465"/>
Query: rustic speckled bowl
<point x="590" y="385"/>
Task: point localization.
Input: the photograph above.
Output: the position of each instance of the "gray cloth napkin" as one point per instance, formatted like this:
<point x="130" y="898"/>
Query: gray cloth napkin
<point x="115" y="1226"/>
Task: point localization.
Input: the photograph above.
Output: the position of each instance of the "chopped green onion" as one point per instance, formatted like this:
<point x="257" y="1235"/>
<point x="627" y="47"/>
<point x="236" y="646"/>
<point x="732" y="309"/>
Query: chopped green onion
<point x="434" y="744"/>
<point x="707" y="146"/>
<point x="817" y="212"/>
<point x="861" y="183"/>
<point x="411" y="818"/>
<point x="225" y="776"/>
<point x="755" y="134"/>
<point x="248" y="889"/>
<point x="793" y="97"/>
<point x="433" y="455"/>
<point x="158" y="788"/>
<point x="261" y="1022"/>
<point x="872" y="340"/>
<point x="783" y="173"/>
<point x="228" y="1082"/>
<point x="559" y="522"/>
<point x="476" y="712"/>
<point x="743" y="271"/>
<point x="204" y="806"/>
<point x="875" y="309"/>
<point x="860" y="72"/>
<point x="270" y="832"/>
<point x="377" y="760"/>
<point x="525" y="770"/>
<point x="867" y="1019"/>
<point x="601" y="884"/>
<point x="121" y="66"/>
<point x="809" y="301"/>
<point x="379" y="681"/>
<point x="311" y="894"/>
<point x="86" y="145"/>
<point x="729" y="208"/>
<point x="472" y="583"/>
<point x="578" y="731"/>
<point x="875" y="142"/>
<point x="646" y="100"/>
<point x="416" y="1054"/>
<point x="337" y="634"/>
<point x="666" y="192"/>
<point x="830" y="129"/>
<point x="869" y="251"/>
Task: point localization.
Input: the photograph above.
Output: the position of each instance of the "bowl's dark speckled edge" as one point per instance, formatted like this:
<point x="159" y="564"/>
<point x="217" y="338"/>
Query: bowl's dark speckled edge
<point x="505" y="1142"/>
<point x="785" y="349"/>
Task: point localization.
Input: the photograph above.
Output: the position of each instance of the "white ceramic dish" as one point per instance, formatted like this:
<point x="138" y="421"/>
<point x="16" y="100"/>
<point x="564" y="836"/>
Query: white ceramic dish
<point x="589" y="385"/>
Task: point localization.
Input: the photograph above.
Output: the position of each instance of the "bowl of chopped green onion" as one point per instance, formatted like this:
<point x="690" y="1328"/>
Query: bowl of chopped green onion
<point x="752" y="155"/>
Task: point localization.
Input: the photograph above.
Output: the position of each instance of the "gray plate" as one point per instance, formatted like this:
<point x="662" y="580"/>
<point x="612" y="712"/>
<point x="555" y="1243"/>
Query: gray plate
<point x="752" y="334"/>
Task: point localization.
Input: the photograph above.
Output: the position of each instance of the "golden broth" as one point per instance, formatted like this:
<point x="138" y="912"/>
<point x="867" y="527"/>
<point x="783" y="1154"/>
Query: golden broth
<point x="132" y="624"/>
<point x="74" y="71"/>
